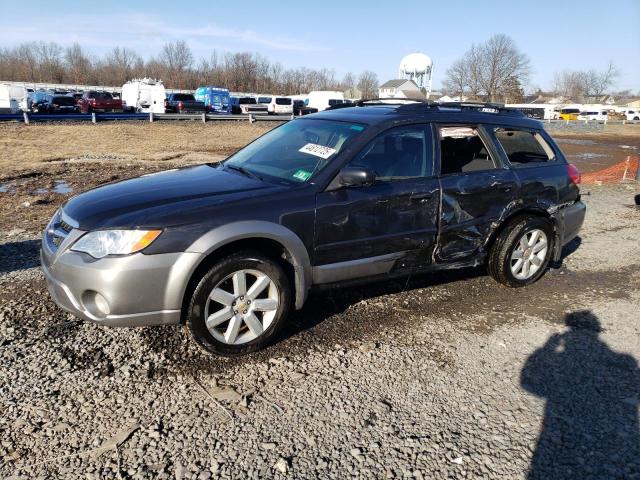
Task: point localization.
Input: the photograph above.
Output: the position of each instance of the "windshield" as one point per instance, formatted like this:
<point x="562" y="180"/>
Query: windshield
<point x="295" y="151"/>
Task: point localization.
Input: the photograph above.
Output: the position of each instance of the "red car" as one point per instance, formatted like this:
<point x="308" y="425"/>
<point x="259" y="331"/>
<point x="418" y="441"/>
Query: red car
<point x="94" y="101"/>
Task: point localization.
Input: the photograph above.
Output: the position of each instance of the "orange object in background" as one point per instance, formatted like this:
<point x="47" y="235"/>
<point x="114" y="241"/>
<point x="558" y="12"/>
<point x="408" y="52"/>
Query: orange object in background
<point x="625" y="170"/>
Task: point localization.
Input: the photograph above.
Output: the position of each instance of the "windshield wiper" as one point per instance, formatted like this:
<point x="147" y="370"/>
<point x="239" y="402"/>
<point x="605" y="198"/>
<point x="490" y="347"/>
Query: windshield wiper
<point x="244" y="171"/>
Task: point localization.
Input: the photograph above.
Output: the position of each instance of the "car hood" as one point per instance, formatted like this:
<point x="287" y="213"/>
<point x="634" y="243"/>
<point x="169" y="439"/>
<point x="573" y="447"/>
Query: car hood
<point x="161" y="199"/>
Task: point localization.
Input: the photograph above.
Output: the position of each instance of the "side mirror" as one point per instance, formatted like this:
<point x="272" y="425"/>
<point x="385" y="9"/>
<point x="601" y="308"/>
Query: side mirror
<point x="355" y="177"/>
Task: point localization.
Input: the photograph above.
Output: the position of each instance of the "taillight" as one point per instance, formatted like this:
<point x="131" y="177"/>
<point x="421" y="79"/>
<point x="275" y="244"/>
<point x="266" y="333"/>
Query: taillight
<point x="574" y="173"/>
<point x="93" y="102"/>
<point x="180" y="105"/>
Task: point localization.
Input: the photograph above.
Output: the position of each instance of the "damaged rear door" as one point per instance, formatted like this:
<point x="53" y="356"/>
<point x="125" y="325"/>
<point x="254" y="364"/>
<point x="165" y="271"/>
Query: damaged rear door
<point x="476" y="191"/>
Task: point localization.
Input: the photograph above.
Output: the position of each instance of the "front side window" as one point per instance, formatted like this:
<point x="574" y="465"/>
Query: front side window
<point x="462" y="150"/>
<point x="296" y="151"/>
<point x="523" y="147"/>
<point x="398" y="154"/>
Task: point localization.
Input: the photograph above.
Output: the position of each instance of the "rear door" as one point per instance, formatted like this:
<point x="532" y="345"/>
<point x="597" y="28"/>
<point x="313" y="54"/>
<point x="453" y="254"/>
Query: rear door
<point x="395" y="218"/>
<point x="477" y="189"/>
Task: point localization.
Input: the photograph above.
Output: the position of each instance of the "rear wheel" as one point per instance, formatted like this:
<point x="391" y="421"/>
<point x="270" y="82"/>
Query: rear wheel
<point x="522" y="251"/>
<point x="239" y="305"/>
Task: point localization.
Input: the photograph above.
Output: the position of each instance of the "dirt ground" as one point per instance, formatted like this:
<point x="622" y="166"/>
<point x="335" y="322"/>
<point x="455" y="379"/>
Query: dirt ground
<point x="26" y="146"/>
<point x="595" y="150"/>
<point x="447" y="375"/>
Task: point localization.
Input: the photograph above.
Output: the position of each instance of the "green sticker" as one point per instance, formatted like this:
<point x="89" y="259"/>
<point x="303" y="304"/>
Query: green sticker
<point x="358" y="128"/>
<point x="302" y="175"/>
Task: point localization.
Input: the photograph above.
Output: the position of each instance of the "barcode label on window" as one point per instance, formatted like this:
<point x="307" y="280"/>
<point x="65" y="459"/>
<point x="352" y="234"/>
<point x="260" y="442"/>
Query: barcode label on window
<point x="318" y="150"/>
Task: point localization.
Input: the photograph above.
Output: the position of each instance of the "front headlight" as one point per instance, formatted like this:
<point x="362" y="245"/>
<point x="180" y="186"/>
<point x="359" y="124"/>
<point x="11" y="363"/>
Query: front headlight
<point x="101" y="243"/>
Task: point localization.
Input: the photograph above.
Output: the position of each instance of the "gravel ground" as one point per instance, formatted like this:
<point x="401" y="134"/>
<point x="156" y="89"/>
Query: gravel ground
<point x="441" y="376"/>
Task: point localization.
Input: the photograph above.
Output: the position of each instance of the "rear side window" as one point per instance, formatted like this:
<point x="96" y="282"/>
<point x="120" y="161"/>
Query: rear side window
<point x="398" y="154"/>
<point x="524" y="147"/>
<point x="462" y="150"/>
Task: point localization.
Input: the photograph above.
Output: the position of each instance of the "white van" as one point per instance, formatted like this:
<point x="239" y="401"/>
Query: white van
<point x="143" y="95"/>
<point x="13" y="98"/>
<point x="323" y="99"/>
<point x="632" y="114"/>
<point x="597" y="115"/>
<point x="280" y="106"/>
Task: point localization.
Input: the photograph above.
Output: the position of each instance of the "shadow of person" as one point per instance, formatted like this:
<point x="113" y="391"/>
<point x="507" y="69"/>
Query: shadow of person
<point x="590" y="427"/>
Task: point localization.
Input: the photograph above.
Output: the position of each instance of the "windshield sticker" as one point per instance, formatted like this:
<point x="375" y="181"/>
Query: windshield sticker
<point x="302" y="175"/>
<point x="318" y="150"/>
<point x="357" y="128"/>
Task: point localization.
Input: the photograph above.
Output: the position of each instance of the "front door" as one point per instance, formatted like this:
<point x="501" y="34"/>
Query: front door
<point x="390" y="224"/>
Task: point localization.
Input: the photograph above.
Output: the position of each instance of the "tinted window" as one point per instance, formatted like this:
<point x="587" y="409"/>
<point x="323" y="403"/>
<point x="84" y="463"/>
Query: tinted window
<point x="295" y="151"/>
<point x="66" y="101"/>
<point x="264" y="100"/>
<point x="183" y="97"/>
<point x="335" y="101"/>
<point x="283" y="101"/>
<point x="397" y="154"/>
<point x="247" y="100"/>
<point x="104" y="95"/>
<point x="462" y="150"/>
<point x="523" y="147"/>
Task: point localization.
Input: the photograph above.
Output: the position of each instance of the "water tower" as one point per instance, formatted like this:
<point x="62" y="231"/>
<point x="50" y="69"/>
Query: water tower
<point x="419" y="68"/>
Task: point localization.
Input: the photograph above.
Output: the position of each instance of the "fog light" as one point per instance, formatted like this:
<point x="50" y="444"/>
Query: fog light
<point x="96" y="304"/>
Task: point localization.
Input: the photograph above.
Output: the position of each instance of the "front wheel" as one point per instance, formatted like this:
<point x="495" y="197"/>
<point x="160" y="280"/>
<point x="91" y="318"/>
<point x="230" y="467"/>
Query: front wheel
<point x="239" y="305"/>
<point x="522" y="251"/>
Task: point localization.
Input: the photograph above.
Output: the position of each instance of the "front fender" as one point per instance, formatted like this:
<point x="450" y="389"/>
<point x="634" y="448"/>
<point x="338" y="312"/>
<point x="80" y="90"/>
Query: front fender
<point x="225" y="234"/>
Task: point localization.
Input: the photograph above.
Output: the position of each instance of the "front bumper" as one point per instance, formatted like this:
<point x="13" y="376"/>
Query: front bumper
<point x="139" y="289"/>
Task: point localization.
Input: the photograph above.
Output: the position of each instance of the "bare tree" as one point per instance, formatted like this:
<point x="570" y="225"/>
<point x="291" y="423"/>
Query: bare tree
<point x="176" y="58"/>
<point x="489" y="69"/>
<point x="78" y="64"/>
<point x="368" y="84"/>
<point x="348" y="84"/>
<point x="581" y="84"/>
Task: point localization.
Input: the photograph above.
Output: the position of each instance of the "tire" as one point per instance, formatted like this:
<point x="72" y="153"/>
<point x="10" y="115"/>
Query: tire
<point x="509" y="249"/>
<point x="235" y="332"/>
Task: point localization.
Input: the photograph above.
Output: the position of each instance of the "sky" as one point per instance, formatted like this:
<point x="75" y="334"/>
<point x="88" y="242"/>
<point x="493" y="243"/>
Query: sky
<point x="347" y="35"/>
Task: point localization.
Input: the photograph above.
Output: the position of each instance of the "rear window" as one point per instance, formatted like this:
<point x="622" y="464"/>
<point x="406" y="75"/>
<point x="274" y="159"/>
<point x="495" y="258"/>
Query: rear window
<point x="183" y="97"/>
<point x="570" y="110"/>
<point x="283" y="101"/>
<point x="335" y="101"/>
<point x="523" y="147"/>
<point x="104" y="96"/>
<point x="246" y="100"/>
<point x="65" y="101"/>
<point x="264" y="99"/>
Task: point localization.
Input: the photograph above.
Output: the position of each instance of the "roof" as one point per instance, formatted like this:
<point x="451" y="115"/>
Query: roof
<point x="379" y="113"/>
<point x="395" y="83"/>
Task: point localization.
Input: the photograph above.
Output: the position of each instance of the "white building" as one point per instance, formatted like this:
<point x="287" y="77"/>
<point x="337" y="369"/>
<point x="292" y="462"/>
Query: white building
<point x="401" y="88"/>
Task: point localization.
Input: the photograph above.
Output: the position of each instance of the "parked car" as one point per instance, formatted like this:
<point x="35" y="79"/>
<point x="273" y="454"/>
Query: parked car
<point x="299" y="108"/>
<point x="95" y="101"/>
<point x="143" y="95"/>
<point x="595" y="115"/>
<point x="37" y="100"/>
<point x="354" y="194"/>
<point x="216" y="99"/>
<point x="632" y="115"/>
<point x="323" y="99"/>
<point x="246" y="105"/>
<point x="569" y="113"/>
<point x="13" y="98"/>
<point x="58" y="104"/>
<point x="183" y="103"/>
<point x="280" y="106"/>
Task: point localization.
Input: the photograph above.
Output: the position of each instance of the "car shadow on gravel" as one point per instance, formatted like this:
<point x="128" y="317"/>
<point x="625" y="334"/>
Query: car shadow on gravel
<point x="590" y="427"/>
<point x="22" y="255"/>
